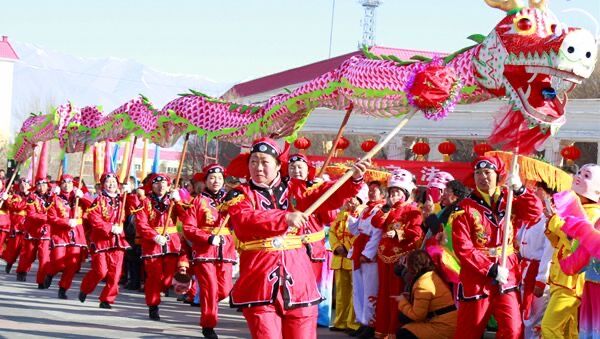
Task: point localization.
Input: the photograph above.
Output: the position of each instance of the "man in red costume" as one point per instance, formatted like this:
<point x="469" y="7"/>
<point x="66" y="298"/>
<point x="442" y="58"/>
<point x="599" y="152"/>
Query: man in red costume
<point x="276" y="288"/>
<point x="160" y="241"/>
<point x="107" y="241"/>
<point x="37" y="235"/>
<point x="68" y="238"/>
<point x="213" y="247"/>
<point x="18" y="210"/>
<point x="4" y="216"/>
<point x="486" y="288"/>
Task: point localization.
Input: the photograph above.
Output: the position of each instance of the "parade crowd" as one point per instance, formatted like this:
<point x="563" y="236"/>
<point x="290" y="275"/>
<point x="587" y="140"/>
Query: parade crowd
<point x="403" y="261"/>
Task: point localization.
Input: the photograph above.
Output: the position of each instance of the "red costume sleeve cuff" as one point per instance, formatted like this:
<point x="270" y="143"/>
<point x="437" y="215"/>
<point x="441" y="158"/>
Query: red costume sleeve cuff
<point x="540" y="284"/>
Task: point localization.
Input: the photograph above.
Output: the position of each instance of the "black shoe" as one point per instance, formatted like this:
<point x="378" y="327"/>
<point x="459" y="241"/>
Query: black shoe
<point x="21" y="276"/>
<point x="336" y="329"/>
<point x="358" y="331"/>
<point x="41" y="287"/>
<point x="153" y="312"/>
<point x="7" y="268"/>
<point x="82" y="296"/>
<point x="48" y="281"/>
<point x="62" y="293"/>
<point x="368" y="333"/>
<point x="209" y="333"/>
<point x="193" y="304"/>
<point x="104" y="304"/>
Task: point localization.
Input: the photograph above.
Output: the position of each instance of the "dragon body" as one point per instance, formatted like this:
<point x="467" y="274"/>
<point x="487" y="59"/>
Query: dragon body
<point x="529" y="57"/>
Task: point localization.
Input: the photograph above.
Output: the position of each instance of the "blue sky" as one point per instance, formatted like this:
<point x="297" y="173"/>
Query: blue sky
<point x="235" y="40"/>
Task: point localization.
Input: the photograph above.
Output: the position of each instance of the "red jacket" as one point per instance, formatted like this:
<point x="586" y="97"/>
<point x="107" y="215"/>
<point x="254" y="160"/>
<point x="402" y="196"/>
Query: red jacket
<point x="102" y="215"/>
<point x="201" y="223"/>
<point x="4" y="218"/>
<point x="406" y="220"/>
<point x="273" y="256"/>
<point x="17" y="204"/>
<point x="477" y="232"/>
<point x="60" y="211"/>
<point x="36" y="222"/>
<point x="151" y="221"/>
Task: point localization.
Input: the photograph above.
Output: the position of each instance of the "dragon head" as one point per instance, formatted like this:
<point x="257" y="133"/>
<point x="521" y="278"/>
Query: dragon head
<point x="534" y="60"/>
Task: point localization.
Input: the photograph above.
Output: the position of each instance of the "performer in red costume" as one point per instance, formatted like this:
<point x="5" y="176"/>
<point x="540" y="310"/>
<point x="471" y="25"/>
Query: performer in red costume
<point x="37" y="232"/>
<point x="213" y="247"/>
<point x="17" y="204"/>
<point x="4" y="216"/>
<point x="485" y="287"/>
<point x="68" y="238"/>
<point x="160" y="241"/>
<point x="107" y="242"/>
<point x="400" y="223"/>
<point x="276" y="288"/>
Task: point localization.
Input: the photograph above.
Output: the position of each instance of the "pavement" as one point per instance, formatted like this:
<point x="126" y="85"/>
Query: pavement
<point x="27" y="312"/>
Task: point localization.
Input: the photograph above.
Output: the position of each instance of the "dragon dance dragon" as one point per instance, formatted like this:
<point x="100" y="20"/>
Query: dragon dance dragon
<point x="529" y="57"/>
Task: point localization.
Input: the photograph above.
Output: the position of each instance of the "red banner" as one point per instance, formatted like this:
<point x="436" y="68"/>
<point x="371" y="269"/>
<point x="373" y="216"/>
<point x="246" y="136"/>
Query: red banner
<point x="423" y="170"/>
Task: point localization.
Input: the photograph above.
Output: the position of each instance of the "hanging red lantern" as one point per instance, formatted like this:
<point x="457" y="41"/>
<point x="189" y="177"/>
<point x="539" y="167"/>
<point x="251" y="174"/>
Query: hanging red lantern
<point x="480" y="149"/>
<point x="302" y="143"/>
<point x="342" y="144"/>
<point x="447" y="148"/>
<point x="368" y="145"/>
<point x="571" y="153"/>
<point x="421" y="148"/>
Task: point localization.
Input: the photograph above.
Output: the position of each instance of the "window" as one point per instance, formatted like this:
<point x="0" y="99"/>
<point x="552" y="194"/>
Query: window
<point x="171" y="170"/>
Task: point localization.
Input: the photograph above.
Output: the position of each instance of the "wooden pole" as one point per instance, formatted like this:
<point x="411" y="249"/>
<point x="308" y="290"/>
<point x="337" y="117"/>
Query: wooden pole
<point x="10" y="182"/>
<point x="177" y="178"/>
<point x="337" y="138"/>
<point x="121" y="215"/>
<point x="367" y="156"/>
<point x="509" y="200"/>
<point x="77" y="213"/>
<point x="33" y="171"/>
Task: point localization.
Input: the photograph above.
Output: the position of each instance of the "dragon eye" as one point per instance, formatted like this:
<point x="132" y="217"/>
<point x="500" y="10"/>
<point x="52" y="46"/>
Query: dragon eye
<point x="571" y="49"/>
<point x="588" y="54"/>
<point x="524" y="24"/>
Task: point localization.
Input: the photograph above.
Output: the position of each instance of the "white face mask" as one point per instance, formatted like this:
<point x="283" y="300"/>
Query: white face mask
<point x="587" y="182"/>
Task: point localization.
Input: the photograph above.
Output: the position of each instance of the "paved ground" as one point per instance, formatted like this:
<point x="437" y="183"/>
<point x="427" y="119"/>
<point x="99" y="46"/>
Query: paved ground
<point x="26" y="312"/>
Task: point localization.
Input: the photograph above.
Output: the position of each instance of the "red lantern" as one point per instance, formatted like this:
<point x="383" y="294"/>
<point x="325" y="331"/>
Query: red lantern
<point x="447" y="148"/>
<point x="302" y="143"/>
<point x="342" y="144"/>
<point x="368" y="145"/>
<point x="480" y="149"/>
<point x="421" y="148"/>
<point x="571" y="153"/>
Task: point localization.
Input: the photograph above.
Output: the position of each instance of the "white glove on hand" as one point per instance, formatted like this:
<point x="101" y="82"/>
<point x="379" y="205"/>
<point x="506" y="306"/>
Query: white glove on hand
<point x="73" y="223"/>
<point x="502" y="276"/>
<point x="514" y="181"/>
<point x="175" y="196"/>
<point x="126" y="188"/>
<point x="4" y="196"/>
<point x="116" y="229"/>
<point x="78" y="193"/>
<point x="56" y="190"/>
<point x="216" y="240"/>
<point x="160" y="239"/>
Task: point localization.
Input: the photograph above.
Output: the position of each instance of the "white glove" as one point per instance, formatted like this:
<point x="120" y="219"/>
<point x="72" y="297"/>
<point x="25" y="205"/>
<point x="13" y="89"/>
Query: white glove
<point x="78" y="193"/>
<point x="216" y="240"/>
<point x="160" y="239"/>
<point x="4" y="196"/>
<point x="514" y="181"/>
<point x="73" y="223"/>
<point x="126" y="188"/>
<point x="56" y="190"/>
<point x="502" y="275"/>
<point x="175" y="196"/>
<point x="116" y="229"/>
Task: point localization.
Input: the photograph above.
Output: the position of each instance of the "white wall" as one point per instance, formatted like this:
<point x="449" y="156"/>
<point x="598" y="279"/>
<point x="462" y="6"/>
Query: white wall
<point x="6" y="91"/>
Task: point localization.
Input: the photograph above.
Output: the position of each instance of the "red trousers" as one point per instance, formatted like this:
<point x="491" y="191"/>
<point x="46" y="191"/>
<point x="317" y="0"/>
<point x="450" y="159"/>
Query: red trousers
<point x="65" y="259"/>
<point x="386" y="310"/>
<point x="274" y="322"/>
<point x="215" y="284"/>
<point x="473" y="316"/>
<point x="159" y="275"/>
<point x="317" y="267"/>
<point x="13" y="248"/>
<point x="33" y="248"/>
<point x="109" y="265"/>
<point x="3" y="237"/>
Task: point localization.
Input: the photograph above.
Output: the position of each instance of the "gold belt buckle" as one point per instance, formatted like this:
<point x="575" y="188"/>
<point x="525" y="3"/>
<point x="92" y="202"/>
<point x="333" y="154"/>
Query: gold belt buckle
<point x="277" y="242"/>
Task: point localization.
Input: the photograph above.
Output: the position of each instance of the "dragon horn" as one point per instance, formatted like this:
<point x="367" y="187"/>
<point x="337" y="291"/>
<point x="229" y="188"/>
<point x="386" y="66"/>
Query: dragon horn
<point x="539" y="4"/>
<point x="505" y="5"/>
